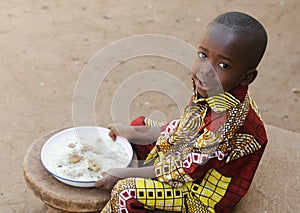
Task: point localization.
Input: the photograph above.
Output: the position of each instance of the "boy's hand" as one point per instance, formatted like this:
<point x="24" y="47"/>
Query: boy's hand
<point x="134" y="133"/>
<point x="111" y="177"/>
<point x="107" y="182"/>
<point x="119" y="129"/>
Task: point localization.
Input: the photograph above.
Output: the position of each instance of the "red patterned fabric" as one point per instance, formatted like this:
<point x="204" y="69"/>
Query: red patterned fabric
<point x="241" y="170"/>
<point x="135" y="206"/>
<point x="141" y="150"/>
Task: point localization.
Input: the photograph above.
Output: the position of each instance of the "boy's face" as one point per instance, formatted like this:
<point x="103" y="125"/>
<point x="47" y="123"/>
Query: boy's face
<point x="221" y="63"/>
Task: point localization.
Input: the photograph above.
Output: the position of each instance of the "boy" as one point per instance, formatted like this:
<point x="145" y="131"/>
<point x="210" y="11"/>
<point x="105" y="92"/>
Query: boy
<point x="206" y="160"/>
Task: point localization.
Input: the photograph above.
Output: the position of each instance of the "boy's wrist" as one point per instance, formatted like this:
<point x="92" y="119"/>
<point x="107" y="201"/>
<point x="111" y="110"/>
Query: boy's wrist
<point x="143" y="133"/>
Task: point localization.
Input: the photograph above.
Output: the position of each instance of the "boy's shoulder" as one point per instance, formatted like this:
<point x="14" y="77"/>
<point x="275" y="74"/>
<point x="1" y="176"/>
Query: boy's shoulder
<point x="251" y="137"/>
<point x="254" y="125"/>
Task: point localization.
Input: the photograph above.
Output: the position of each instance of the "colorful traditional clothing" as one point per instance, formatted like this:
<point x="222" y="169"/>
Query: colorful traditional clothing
<point x="204" y="161"/>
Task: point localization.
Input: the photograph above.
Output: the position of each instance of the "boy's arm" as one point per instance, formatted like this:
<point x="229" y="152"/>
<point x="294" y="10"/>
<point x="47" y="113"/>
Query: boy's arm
<point x="142" y="172"/>
<point x="135" y="133"/>
<point x="113" y="175"/>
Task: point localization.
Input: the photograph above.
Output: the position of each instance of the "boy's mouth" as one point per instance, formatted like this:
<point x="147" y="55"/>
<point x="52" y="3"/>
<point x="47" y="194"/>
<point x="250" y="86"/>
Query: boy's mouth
<point x="204" y="85"/>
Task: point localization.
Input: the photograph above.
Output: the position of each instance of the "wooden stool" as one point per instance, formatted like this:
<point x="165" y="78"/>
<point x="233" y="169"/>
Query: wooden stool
<point x="58" y="196"/>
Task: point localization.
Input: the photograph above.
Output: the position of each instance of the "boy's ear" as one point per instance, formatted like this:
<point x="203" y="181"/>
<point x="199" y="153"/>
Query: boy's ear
<point x="249" y="77"/>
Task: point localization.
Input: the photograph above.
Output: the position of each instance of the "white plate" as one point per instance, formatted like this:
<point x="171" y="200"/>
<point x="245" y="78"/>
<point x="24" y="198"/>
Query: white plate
<point x="55" y="152"/>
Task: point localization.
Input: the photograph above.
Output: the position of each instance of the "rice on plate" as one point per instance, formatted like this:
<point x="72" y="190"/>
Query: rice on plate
<point x="77" y="156"/>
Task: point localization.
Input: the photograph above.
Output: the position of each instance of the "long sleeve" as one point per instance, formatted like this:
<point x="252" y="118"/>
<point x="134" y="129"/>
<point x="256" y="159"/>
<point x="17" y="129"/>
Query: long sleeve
<point x="171" y="171"/>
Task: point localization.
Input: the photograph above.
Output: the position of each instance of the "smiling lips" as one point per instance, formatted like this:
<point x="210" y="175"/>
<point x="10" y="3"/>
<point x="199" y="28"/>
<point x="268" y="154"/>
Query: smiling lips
<point x="203" y="85"/>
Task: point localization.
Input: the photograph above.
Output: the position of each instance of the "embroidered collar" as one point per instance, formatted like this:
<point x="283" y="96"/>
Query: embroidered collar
<point x="223" y="101"/>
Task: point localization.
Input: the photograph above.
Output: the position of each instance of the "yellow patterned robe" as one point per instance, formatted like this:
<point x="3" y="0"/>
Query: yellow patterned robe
<point x="204" y="161"/>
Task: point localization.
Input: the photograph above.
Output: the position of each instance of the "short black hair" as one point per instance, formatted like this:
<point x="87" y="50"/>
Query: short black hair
<point x="250" y="28"/>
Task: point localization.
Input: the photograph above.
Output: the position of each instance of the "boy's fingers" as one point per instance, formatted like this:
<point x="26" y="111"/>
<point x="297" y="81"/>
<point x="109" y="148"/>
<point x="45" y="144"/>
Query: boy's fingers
<point x="112" y="135"/>
<point x="109" y="126"/>
<point x="99" y="184"/>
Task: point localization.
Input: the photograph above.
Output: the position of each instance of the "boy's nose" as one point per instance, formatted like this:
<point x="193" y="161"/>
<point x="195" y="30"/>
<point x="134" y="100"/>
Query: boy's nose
<point x="206" y="70"/>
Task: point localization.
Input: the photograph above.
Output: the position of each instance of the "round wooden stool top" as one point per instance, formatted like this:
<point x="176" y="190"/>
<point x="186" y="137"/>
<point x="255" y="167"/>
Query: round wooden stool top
<point x="55" y="193"/>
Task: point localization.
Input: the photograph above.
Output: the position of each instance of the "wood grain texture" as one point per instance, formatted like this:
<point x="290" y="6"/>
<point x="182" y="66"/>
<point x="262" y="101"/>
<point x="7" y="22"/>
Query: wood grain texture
<point x="55" y="193"/>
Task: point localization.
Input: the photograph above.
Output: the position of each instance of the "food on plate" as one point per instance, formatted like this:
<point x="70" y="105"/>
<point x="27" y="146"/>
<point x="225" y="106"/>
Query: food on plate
<point x="94" y="166"/>
<point x="75" y="158"/>
<point x="72" y="145"/>
<point x="85" y="158"/>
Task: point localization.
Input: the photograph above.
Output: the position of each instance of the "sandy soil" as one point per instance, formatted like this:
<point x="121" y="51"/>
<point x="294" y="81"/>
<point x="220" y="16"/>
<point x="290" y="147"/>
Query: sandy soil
<point x="45" y="45"/>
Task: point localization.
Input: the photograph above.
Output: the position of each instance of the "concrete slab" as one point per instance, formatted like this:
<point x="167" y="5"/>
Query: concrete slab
<point x="275" y="188"/>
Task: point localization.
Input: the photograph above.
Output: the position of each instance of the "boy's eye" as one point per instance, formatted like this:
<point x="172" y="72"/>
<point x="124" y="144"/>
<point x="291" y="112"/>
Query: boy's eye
<point x="223" y="65"/>
<point x="202" y="55"/>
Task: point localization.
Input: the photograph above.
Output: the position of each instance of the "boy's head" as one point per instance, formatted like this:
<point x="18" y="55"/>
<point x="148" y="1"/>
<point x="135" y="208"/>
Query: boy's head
<point x="230" y="49"/>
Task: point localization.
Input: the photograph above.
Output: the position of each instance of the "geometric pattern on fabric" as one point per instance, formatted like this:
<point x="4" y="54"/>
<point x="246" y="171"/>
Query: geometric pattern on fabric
<point x="254" y="106"/>
<point x="211" y="191"/>
<point x="116" y="202"/>
<point x="152" y="123"/>
<point x="172" y="172"/>
<point x="218" y="103"/>
<point x="173" y="149"/>
<point x="242" y="145"/>
<point x="201" y="159"/>
<point x="221" y="102"/>
<point x="203" y="198"/>
<point x="155" y="194"/>
<point x="191" y="197"/>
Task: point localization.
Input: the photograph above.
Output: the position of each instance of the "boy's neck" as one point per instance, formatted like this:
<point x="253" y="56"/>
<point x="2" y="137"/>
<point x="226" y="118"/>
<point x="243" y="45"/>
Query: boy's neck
<point x="239" y="92"/>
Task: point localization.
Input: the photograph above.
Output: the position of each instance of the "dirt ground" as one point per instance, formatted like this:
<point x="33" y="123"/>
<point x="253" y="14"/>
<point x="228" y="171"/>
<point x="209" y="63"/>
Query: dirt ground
<point x="44" y="46"/>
